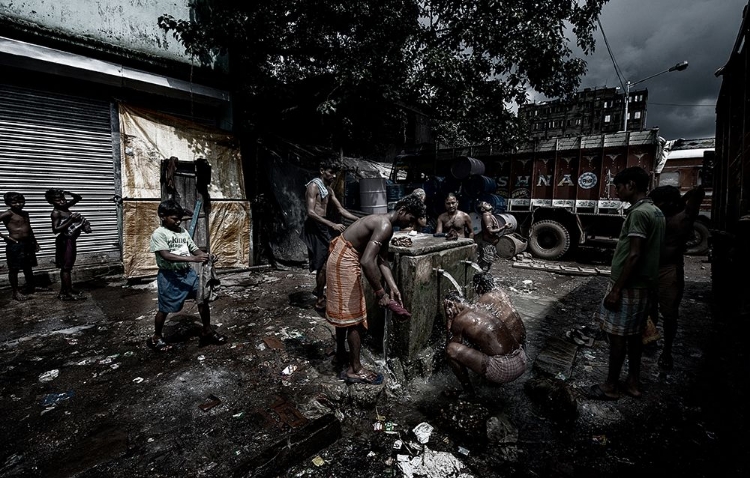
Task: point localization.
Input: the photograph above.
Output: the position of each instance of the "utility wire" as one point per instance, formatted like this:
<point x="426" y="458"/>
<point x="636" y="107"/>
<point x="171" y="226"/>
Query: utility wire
<point x="676" y="104"/>
<point x="611" y="55"/>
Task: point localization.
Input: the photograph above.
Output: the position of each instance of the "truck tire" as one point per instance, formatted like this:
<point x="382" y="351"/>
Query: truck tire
<point x="698" y="244"/>
<point x="549" y="240"/>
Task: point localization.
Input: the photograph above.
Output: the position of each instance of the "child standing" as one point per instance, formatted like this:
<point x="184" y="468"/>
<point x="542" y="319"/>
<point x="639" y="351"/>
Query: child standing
<point x="176" y="280"/>
<point x="68" y="226"/>
<point x="20" y="244"/>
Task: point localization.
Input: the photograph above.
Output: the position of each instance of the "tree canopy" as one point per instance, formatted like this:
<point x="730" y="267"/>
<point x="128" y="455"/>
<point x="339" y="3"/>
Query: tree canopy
<point x="351" y="74"/>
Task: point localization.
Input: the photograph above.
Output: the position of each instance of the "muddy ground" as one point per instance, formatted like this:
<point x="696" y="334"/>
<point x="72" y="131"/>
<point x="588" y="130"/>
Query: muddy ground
<point x="82" y="395"/>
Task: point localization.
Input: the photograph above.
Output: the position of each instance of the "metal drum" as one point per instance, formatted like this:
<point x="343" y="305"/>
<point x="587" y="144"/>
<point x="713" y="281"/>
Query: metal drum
<point x="372" y="194"/>
<point x="510" y="245"/>
<point x="464" y="167"/>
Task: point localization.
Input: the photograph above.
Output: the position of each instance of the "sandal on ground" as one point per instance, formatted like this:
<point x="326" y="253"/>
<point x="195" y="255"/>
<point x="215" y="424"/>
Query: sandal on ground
<point x="596" y="393"/>
<point x="213" y="338"/>
<point x="159" y="345"/>
<point x="367" y="377"/>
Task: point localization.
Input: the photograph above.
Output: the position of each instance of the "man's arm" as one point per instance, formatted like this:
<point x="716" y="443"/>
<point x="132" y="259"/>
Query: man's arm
<point x="76" y="198"/>
<point x="467" y="227"/>
<point x="637" y="247"/>
<point x="5" y="217"/>
<point x="59" y="224"/>
<point x="370" y="262"/>
<point x="489" y="224"/>
<point x="385" y="271"/>
<point x="693" y="200"/>
<point x="334" y="200"/>
<point x="439" y="226"/>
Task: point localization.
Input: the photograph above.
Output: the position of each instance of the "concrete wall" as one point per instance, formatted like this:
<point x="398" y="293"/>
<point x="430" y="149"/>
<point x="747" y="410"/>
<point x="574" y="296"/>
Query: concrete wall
<point x="128" y="24"/>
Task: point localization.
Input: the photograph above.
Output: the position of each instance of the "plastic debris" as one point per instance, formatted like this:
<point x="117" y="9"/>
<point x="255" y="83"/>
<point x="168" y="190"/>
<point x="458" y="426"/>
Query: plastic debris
<point x="398" y="444"/>
<point x="201" y="358"/>
<point x="318" y="461"/>
<point x="377" y="426"/>
<point x="49" y="375"/>
<point x="52" y="399"/>
<point x="238" y="415"/>
<point x="463" y="451"/>
<point x="599" y="440"/>
<point x="390" y="428"/>
<point x="290" y="369"/>
<point x="138" y="379"/>
<point x="210" y="403"/>
<point x="371" y="454"/>
<point x="433" y="464"/>
<point x="423" y="432"/>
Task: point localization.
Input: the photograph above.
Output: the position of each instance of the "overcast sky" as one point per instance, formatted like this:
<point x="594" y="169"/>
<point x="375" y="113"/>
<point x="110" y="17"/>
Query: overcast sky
<point x="649" y="36"/>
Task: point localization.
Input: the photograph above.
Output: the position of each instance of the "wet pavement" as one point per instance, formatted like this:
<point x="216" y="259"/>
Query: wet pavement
<point x="82" y="395"/>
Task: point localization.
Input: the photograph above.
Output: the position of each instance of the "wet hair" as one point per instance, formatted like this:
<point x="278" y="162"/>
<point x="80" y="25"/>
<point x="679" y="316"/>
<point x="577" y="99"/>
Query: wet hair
<point x="485" y="206"/>
<point x="412" y="205"/>
<point x="451" y="195"/>
<point x="170" y="207"/>
<point x="9" y="197"/>
<point x="483" y="282"/>
<point x="420" y="193"/>
<point x="667" y="198"/>
<point x="638" y="175"/>
<point x="51" y="194"/>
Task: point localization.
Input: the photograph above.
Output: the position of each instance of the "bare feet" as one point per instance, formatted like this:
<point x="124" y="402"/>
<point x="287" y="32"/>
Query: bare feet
<point x="19" y="297"/>
<point x="632" y="388"/>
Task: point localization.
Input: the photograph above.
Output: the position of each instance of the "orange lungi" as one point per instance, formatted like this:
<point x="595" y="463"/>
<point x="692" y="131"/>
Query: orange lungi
<point x="345" y="296"/>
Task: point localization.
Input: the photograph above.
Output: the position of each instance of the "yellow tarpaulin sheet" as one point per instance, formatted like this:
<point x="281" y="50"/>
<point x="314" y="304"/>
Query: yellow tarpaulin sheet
<point x="228" y="232"/>
<point x="149" y="137"/>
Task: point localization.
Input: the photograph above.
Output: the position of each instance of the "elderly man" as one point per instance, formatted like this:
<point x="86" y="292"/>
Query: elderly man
<point x="487" y="338"/>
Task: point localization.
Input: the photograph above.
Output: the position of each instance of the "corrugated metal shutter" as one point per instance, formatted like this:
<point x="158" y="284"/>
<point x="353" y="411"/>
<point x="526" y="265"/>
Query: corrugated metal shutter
<point x="48" y="141"/>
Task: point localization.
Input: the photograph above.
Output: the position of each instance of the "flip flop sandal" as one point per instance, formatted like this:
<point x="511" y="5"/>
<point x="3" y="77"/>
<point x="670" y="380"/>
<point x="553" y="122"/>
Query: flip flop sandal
<point x="158" y="346"/>
<point x="366" y="377"/>
<point x="214" y="338"/>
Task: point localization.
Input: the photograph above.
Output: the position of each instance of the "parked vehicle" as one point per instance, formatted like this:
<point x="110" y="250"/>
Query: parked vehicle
<point x="560" y="190"/>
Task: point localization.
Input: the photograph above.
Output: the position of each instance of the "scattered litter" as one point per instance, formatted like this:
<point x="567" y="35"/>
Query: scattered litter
<point x="390" y="428"/>
<point x="377" y="426"/>
<point x="52" y="399"/>
<point x="290" y="369"/>
<point x="114" y="366"/>
<point x="423" y="432"/>
<point x="261" y="347"/>
<point x="238" y="415"/>
<point x="528" y="282"/>
<point x="72" y="341"/>
<point x="49" y="375"/>
<point x="599" y="440"/>
<point x="398" y="444"/>
<point x="150" y="440"/>
<point x="210" y="403"/>
<point x="138" y="379"/>
<point x="463" y="451"/>
<point x="318" y="461"/>
<point x="433" y="464"/>
<point x="561" y="376"/>
<point x="129" y="353"/>
<point x="201" y="358"/>
<point x="371" y="454"/>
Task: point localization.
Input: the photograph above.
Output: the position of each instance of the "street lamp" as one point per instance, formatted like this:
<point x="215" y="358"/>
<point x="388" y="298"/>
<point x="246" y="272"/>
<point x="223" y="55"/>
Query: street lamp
<point x="678" y="67"/>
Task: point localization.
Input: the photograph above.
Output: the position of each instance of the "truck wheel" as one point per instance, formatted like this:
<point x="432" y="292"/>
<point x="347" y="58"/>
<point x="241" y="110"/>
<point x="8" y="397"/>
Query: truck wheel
<point x="698" y="243"/>
<point x="549" y="240"/>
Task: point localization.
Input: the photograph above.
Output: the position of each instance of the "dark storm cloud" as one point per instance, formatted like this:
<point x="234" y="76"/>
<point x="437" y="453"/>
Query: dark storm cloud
<point x="649" y="36"/>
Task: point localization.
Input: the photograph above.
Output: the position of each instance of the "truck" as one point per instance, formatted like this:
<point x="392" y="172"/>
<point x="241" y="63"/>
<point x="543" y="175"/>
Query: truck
<point x="559" y="192"/>
<point x="729" y="174"/>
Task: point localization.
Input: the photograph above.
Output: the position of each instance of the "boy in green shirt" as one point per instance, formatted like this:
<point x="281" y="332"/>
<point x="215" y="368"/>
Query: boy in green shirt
<point x="177" y="281"/>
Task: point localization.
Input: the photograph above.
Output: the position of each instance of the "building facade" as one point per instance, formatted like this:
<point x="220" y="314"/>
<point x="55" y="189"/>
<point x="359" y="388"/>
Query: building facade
<point x="94" y="97"/>
<point x="591" y="111"/>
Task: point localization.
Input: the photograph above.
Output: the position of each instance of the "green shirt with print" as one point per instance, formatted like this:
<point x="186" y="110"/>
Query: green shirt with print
<point x="178" y="243"/>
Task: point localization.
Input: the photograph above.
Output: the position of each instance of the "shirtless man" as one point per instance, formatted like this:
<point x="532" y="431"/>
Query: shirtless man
<point x="363" y="248"/>
<point x="497" y="301"/>
<point x="479" y="340"/>
<point x="452" y="222"/>
<point x="487" y="240"/>
<point x="421" y="221"/>
<point x="20" y="244"/>
<point x="317" y="230"/>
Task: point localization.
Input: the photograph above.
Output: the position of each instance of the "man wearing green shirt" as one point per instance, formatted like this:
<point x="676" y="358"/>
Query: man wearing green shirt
<point x="634" y="276"/>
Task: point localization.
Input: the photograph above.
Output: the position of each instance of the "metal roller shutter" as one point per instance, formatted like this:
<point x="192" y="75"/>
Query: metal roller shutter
<point x="48" y="141"/>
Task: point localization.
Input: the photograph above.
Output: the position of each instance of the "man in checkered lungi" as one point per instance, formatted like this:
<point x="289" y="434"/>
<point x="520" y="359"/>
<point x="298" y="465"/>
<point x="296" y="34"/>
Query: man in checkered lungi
<point x="479" y="339"/>
<point x="634" y="275"/>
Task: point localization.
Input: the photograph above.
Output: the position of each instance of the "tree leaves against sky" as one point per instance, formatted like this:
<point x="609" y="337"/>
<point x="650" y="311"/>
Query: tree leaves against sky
<point x="352" y="70"/>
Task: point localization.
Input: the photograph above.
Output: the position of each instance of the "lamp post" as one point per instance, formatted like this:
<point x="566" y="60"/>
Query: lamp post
<point x="678" y="67"/>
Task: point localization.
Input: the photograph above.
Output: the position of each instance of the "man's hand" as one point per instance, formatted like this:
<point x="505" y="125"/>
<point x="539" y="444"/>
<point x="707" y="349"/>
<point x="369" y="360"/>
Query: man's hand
<point x="384" y="300"/>
<point x="339" y="227"/>
<point x="397" y="296"/>
<point x="9" y="240"/>
<point x="201" y="257"/>
<point x="612" y="300"/>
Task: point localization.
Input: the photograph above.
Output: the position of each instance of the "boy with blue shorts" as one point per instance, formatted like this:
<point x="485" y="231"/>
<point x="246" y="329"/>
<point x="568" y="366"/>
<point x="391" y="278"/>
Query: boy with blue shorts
<point x="177" y="281"/>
